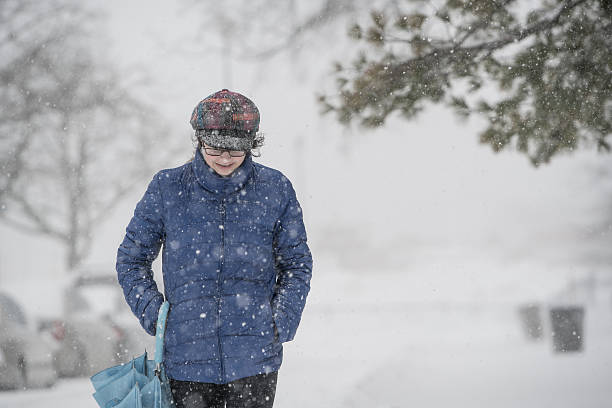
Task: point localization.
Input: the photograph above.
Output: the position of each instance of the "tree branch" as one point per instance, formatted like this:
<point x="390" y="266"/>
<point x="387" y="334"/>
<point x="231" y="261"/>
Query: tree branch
<point x="330" y="10"/>
<point x="118" y="194"/>
<point x="482" y="23"/>
<point x="41" y="226"/>
<point x="514" y="36"/>
<point x="36" y="20"/>
<point x="15" y="168"/>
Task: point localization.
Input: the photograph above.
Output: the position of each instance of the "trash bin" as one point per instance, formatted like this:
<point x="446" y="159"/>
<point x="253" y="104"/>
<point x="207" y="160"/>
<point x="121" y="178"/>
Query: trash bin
<point x="567" y="328"/>
<point x="531" y="321"/>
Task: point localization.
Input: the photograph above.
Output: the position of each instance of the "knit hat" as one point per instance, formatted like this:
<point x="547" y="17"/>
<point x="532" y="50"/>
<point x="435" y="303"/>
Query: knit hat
<point x="227" y="120"/>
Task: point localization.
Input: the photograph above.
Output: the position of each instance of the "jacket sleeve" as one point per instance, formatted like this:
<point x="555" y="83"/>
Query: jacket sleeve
<point x="143" y="239"/>
<point x="294" y="267"/>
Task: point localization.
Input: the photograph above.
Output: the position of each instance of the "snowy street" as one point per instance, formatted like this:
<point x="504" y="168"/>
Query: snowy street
<point x="417" y="193"/>
<point x="359" y="350"/>
<point x="474" y="356"/>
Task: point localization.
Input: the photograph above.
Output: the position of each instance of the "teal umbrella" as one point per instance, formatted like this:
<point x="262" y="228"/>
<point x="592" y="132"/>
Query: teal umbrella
<point x="139" y="383"/>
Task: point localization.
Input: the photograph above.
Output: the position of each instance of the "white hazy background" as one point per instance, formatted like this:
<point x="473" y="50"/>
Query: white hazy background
<point x="425" y="242"/>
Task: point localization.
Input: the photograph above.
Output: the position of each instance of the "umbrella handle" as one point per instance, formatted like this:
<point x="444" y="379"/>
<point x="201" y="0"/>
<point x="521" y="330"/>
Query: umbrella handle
<point x="159" y="334"/>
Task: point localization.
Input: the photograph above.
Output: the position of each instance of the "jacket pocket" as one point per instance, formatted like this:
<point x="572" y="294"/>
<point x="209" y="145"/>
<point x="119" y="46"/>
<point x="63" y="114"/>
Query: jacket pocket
<point x="271" y="329"/>
<point x="276" y="339"/>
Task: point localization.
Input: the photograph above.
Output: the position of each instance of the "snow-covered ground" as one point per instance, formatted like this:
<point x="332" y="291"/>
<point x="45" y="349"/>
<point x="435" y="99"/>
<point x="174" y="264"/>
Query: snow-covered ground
<point x="428" y="355"/>
<point x="400" y="339"/>
<point x="441" y="330"/>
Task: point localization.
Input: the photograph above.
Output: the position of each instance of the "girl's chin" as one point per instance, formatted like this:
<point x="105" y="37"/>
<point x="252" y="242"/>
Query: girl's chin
<point x="224" y="170"/>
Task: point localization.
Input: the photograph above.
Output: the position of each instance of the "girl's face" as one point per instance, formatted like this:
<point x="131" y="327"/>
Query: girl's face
<point x="225" y="164"/>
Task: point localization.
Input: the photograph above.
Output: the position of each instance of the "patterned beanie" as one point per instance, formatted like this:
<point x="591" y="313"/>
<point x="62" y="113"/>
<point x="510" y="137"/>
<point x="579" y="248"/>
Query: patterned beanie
<point x="227" y="120"/>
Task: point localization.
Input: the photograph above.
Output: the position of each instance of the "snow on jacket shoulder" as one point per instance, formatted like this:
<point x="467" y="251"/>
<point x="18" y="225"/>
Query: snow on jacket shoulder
<point x="236" y="268"/>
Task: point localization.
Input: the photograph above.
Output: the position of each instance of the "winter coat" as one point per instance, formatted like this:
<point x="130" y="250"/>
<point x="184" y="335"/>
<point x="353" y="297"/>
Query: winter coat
<point x="236" y="268"/>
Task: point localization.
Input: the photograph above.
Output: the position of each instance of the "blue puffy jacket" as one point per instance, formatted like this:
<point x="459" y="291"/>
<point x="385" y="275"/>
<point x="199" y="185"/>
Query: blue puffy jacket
<point x="236" y="268"/>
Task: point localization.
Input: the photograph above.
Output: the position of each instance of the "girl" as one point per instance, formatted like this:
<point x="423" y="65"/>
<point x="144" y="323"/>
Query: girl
<point x="236" y="265"/>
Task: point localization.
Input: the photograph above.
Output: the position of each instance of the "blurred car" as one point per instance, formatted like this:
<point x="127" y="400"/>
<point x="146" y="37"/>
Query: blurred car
<point x="26" y="358"/>
<point x="97" y="329"/>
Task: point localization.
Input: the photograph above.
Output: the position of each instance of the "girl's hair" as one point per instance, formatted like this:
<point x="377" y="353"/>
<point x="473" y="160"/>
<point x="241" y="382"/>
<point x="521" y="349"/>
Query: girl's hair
<point x="258" y="142"/>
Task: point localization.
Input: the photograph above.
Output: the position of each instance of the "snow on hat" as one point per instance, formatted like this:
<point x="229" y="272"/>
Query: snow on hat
<point x="227" y="120"/>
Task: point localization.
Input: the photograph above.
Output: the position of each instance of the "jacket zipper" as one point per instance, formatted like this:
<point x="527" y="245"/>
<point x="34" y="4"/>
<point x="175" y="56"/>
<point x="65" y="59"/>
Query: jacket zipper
<point x="222" y="227"/>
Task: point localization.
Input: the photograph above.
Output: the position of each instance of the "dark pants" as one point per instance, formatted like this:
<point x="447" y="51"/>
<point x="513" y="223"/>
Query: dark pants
<point x="250" y="392"/>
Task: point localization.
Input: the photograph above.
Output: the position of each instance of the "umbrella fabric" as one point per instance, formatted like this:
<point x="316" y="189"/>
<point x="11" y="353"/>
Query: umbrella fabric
<point x="139" y="383"/>
<point x="132" y="400"/>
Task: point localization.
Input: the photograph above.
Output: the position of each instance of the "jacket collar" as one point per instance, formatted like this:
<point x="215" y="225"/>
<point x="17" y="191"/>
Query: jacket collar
<point x="216" y="184"/>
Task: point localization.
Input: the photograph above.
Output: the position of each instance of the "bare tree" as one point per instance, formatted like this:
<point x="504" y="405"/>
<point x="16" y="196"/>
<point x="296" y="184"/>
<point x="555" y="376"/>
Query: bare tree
<point x="73" y="140"/>
<point x="257" y="31"/>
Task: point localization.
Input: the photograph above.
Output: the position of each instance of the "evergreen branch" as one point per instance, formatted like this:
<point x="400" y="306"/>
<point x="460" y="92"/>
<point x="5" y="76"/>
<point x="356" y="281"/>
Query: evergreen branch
<point x="491" y="46"/>
<point x="482" y="23"/>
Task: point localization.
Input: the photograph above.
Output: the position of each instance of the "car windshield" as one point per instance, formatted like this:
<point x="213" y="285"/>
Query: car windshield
<point x="96" y="299"/>
<point x="10" y="311"/>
